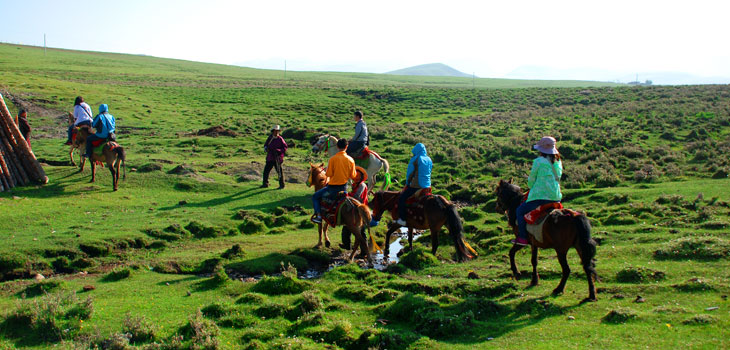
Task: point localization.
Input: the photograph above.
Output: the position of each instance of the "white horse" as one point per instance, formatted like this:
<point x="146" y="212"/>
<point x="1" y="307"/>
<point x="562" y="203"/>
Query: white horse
<point x="328" y="144"/>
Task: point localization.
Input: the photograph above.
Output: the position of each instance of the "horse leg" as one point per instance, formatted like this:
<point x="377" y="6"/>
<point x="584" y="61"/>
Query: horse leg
<point x="410" y="239"/>
<point x="93" y="169"/>
<point x="71" y="155"/>
<point x="391" y="229"/>
<point x="434" y="239"/>
<point x="533" y="260"/>
<point x="327" y="243"/>
<point x="114" y="175"/>
<point x="562" y="258"/>
<point x="513" y="266"/>
<point x="590" y="273"/>
<point x="319" y="230"/>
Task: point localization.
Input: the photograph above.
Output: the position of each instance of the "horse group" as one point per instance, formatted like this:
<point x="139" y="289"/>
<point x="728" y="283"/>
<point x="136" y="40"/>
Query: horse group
<point x="113" y="158"/>
<point x="560" y="232"/>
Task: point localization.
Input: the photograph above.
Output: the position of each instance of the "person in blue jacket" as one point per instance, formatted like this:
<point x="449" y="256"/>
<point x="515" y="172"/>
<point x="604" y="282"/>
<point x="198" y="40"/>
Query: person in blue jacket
<point x="418" y="176"/>
<point x="104" y="125"/>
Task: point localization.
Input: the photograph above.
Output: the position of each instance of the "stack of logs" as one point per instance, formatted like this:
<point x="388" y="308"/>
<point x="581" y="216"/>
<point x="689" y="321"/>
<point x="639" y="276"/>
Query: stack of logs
<point x="18" y="165"/>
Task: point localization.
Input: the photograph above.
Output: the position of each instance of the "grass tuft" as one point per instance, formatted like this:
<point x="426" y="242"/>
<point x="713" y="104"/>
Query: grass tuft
<point x="620" y="315"/>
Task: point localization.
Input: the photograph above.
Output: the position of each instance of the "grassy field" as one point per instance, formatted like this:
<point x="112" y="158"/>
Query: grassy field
<point x="175" y="258"/>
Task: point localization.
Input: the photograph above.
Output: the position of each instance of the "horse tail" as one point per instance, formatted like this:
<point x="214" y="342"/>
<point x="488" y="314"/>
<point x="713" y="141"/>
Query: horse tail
<point x="122" y="155"/>
<point x="456" y="230"/>
<point x="586" y="244"/>
<point x="367" y="216"/>
<point x="386" y="168"/>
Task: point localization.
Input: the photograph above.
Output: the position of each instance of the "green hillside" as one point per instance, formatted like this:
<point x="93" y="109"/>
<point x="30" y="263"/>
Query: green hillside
<point x="191" y="254"/>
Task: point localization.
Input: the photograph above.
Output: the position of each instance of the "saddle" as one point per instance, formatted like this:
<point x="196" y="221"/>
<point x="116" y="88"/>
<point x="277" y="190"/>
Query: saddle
<point x="363" y="154"/>
<point x="331" y="208"/>
<point x="415" y="205"/>
<point x="98" y="146"/>
<point x="75" y="131"/>
<point x="537" y="218"/>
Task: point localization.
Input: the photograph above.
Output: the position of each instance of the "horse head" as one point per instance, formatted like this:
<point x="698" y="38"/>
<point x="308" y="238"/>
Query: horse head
<point x="320" y="144"/>
<point x="506" y="192"/>
<point x="317" y="175"/>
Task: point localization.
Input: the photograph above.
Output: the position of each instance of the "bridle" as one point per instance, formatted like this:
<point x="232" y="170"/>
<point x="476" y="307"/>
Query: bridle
<point x="320" y="171"/>
<point x="378" y="212"/>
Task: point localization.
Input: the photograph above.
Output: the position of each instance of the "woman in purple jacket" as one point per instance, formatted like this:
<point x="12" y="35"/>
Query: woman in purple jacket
<point x="275" y="147"/>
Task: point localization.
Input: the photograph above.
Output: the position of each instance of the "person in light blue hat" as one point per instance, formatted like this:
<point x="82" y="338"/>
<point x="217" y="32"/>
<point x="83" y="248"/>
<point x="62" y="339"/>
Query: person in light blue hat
<point x="418" y="176"/>
<point x="104" y="124"/>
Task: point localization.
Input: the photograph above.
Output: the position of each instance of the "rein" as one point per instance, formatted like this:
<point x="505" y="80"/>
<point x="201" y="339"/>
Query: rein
<point x="384" y="206"/>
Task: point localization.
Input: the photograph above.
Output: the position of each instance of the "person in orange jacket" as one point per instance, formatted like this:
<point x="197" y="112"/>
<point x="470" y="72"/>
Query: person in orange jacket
<point x="340" y="170"/>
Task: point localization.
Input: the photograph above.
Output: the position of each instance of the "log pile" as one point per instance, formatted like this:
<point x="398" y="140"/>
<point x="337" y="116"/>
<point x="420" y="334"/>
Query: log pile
<point x="18" y="165"/>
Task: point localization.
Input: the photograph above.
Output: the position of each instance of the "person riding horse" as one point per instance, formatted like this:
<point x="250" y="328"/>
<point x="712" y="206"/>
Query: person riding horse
<point x="360" y="140"/>
<point x="104" y="124"/>
<point x="82" y="115"/>
<point x="544" y="184"/>
<point x="359" y="192"/>
<point x="340" y="170"/>
<point x="419" y="169"/>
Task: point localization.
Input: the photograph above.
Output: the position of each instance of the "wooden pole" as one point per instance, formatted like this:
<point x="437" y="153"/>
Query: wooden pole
<point x="16" y="166"/>
<point x="32" y="165"/>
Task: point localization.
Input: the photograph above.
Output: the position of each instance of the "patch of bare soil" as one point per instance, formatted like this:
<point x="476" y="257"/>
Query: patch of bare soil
<point x="215" y="131"/>
<point x="47" y="122"/>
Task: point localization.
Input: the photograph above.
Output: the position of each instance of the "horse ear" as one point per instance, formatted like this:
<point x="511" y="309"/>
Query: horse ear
<point x="510" y="180"/>
<point x="321" y="165"/>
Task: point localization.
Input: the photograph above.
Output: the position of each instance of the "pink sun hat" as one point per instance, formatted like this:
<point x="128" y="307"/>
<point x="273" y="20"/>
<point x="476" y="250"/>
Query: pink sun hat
<point x="546" y="145"/>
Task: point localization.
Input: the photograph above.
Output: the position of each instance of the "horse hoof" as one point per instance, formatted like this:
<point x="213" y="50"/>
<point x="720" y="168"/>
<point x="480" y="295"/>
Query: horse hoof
<point x="588" y="300"/>
<point x="533" y="283"/>
<point x="318" y="245"/>
<point x="327" y="244"/>
<point x="557" y="292"/>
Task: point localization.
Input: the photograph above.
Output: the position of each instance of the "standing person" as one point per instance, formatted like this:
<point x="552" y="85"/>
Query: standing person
<point x="82" y="115"/>
<point x="418" y="176"/>
<point x="359" y="192"/>
<point x="360" y="140"/>
<point x="544" y="184"/>
<point x="275" y="147"/>
<point x="104" y="124"/>
<point x="340" y="169"/>
<point x="24" y="125"/>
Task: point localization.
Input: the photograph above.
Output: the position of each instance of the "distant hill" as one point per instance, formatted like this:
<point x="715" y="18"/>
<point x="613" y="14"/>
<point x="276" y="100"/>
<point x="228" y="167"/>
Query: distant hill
<point x="432" y="69"/>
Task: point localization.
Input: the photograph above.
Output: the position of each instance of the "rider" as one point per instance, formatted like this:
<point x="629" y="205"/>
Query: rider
<point x="104" y="124"/>
<point x="418" y="176"/>
<point x="360" y="140"/>
<point x="340" y="169"/>
<point x="359" y="192"/>
<point x="23" y="125"/>
<point x="82" y="116"/>
<point x="544" y="184"/>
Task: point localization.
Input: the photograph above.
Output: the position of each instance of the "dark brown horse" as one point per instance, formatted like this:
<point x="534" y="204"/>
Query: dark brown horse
<point x="112" y="158"/>
<point x="561" y="233"/>
<point x="437" y="212"/>
<point x="355" y="215"/>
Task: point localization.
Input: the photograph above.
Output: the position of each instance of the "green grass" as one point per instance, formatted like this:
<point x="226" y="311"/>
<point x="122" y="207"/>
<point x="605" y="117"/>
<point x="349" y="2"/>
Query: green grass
<point x="659" y="215"/>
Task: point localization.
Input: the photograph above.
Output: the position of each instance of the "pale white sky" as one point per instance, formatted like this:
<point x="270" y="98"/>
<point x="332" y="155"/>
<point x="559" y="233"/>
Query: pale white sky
<point x="488" y="38"/>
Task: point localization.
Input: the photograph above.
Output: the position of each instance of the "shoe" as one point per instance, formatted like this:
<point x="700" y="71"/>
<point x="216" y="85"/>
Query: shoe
<point x="401" y="222"/>
<point x="316" y="219"/>
<point x="374" y="223"/>
<point x="520" y="241"/>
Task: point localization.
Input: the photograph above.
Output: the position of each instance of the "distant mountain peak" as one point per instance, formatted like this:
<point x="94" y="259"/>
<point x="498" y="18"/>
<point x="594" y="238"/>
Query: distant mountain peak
<point x="431" y="69"/>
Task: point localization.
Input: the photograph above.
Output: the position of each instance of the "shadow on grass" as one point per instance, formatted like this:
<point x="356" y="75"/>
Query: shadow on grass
<point x="179" y="280"/>
<point x="221" y="200"/>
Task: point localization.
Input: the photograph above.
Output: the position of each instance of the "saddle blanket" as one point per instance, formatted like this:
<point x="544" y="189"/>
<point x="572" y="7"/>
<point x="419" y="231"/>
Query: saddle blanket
<point x="99" y="146"/>
<point x="331" y="209"/>
<point x="414" y="205"/>
<point x="536" y="229"/>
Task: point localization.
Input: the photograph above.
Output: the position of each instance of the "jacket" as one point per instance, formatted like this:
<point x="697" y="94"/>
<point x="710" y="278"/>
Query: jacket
<point x="360" y="192"/>
<point x="544" y="180"/>
<point x="82" y="113"/>
<point x="275" y="149"/>
<point x="340" y="169"/>
<point x="420" y="163"/>
<point x="361" y="131"/>
<point x="103" y="123"/>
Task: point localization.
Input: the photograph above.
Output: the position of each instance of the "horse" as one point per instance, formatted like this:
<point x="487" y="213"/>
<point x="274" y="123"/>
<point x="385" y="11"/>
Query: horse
<point x="437" y="212"/>
<point x="112" y="158"/>
<point x="560" y="234"/>
<point x="355" y="215"/>
<point x="328" y="143"/>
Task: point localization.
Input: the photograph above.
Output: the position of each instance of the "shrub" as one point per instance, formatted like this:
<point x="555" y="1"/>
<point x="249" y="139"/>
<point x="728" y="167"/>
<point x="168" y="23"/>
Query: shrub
<point x="234" y="251"/>
<point x="62" y="265"/>
<point x="202" y="332"/>
<point x="49" y="318"/>
<point x="42" y="288"/>
<point x="117" y="274"/>
<point x="354" y="292"/>
<point x="310" y="302"/>
<point x="216" y="310"/>
<point x="139" y="328"/>
<point x="693" y="285"/>
<point x="638" y="274"/>
<point x="95" y="249"/>
<point x="697" y="248"/>
<point x="700" y="320"/>
<point x="620" y="315"/>
<point x="418" y="259"/>
<point x="285" y="284"/>
<point x="251" y="226"/>
<point x="272" y="310"/>
<point x="250" y="298"/>
<point x="201" y="231"/>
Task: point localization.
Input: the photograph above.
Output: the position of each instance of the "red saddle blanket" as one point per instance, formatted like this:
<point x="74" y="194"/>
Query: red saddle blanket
<point x="534" y="216"/>
<point x="364" y="154"/>
<point x="331" y="208"/>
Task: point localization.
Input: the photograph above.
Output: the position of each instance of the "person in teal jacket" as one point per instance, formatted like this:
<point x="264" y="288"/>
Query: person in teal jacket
<point x="104" y="125"/>
<point x="418" y="176"/>
<point x="544" y="184"/>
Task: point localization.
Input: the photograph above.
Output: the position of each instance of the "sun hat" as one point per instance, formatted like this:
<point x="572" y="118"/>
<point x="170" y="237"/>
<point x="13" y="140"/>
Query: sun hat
<point x="276" y="127"/>
<point x="362" y="174"/>
<point x="546" y="145"/>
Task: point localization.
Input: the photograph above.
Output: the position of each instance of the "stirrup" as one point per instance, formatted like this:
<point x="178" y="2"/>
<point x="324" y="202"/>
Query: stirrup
<point x="317" y="219"/>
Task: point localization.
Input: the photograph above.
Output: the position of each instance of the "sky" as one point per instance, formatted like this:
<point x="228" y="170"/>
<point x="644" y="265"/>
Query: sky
<point x="592" y="40"/>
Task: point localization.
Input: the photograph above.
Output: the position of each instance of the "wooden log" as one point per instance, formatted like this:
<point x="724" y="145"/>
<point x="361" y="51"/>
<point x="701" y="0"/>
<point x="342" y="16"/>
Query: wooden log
<point x="16" y="166"/>
<point x="4" y="177"/>
<point x="5" y="171"/>
<point x="26" y="155"/>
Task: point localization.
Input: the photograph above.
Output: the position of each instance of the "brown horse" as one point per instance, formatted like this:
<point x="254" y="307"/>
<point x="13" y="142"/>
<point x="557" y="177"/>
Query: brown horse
<point x="74" y="145"/>
<point x="437" y="212"/>
<point x="355" y="215"/>
<point x="563" y="232"/>
<point x="112" y="158"/>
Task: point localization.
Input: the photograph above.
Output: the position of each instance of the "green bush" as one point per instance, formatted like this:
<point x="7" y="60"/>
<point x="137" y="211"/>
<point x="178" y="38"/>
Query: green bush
<point x="638" y="274"/>
<point x="250" y="298"/>
<point x="203" y="333"/>
<point x="418" y="259"/>
<point x="42" y="288"/>
<point x="95" y="249"/>
<point x="117" y="274"/>
<point x="201" y="231"/>
<point x="280" y="285"/>
<point x="140" y="329"/>
<point x="251" y="226"/>
<point x="620" y="315"/>
<point x="233" y="252"/>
